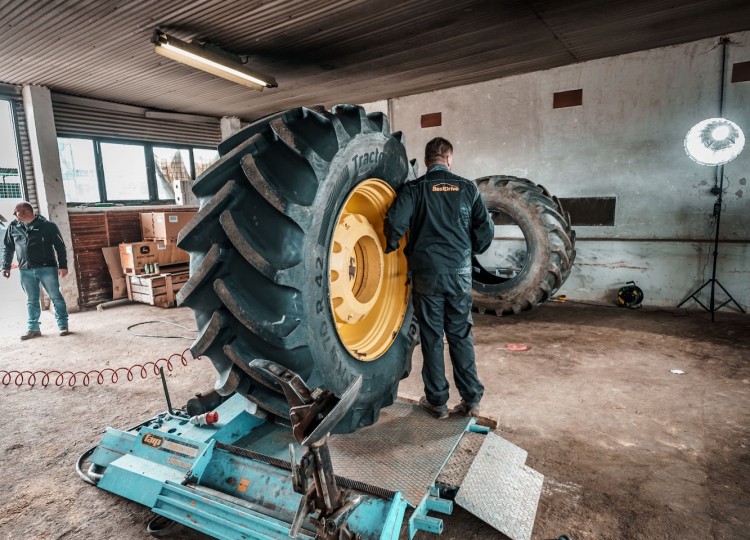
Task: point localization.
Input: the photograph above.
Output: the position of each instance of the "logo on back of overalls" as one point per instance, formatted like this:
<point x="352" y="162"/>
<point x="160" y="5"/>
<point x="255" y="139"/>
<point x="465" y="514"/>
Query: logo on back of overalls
<point x="445" y="187"/>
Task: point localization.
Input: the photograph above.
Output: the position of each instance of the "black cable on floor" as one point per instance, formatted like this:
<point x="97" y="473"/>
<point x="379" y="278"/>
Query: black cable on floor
<point x="191" y="338"/>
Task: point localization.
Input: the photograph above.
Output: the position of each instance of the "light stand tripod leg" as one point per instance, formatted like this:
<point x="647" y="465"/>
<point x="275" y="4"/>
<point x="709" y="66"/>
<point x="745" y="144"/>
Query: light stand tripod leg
<point x="730" y="299"/>
<point x="694" y="296"/>
<point x="712" y="307"/>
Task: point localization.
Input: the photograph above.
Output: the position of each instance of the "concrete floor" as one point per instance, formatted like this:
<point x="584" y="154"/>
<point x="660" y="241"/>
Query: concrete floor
<point x="628" y="449"/>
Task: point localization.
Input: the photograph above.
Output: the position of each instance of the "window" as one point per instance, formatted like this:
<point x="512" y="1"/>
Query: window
<point x="10" y="177"/>
<point x="171" y="165"/>
<point x="130" y="172"/>
<point x="125" y="176"/>
<point x="78" y="166"/>
<point x="10" y="190"/>
<point x="204" y="158"/>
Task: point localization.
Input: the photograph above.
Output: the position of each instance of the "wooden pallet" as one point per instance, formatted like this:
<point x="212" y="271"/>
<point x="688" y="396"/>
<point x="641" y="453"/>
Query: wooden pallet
<point x="156" y="289"/>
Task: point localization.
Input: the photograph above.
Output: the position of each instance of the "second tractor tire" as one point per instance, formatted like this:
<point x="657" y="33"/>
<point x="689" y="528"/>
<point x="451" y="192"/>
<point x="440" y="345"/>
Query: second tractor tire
<point x="550" y="246"/>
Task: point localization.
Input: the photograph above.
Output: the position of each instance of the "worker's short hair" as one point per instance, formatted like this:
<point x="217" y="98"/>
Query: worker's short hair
<point x="438" y="148"/>
<point x="26" y="206"/>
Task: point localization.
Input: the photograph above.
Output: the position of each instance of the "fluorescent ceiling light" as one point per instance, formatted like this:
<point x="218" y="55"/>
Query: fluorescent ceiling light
<point x="714" y="141"/>
<point x="204" y="59"/>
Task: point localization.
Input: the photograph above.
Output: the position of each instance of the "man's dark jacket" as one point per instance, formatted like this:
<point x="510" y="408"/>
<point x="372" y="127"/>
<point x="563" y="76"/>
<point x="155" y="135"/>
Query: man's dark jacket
<point x="35" y="245"/>
<point x="447" y="222"/>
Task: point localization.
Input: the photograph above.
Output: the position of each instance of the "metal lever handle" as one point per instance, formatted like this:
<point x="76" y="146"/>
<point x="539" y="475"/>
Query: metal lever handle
<point x="325" y="425"/>
<point x="314" y="413"/>
<point x="277" y="377"/>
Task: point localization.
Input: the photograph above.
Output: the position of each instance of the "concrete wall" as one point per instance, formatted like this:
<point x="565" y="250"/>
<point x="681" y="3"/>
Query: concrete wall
<point x="626" y="140"/>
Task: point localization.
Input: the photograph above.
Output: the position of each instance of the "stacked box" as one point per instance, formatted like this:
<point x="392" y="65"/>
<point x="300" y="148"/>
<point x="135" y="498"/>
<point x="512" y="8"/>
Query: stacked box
<point x="162" y="230"/>
<point x="164" y="226"/>
<point x="135" y="255"/>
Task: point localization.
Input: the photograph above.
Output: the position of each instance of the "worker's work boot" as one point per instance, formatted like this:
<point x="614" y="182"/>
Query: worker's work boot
<point x="30" y="334"/>
<point x="438" y="411"/>
<point x="466" y="409"/>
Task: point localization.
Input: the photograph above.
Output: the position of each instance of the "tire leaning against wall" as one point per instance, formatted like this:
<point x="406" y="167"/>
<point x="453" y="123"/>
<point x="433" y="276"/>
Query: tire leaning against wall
<point x="550" y="243"/>
<point x="261" y="249"/>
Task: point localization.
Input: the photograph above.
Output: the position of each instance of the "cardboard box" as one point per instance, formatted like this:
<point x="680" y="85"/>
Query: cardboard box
<point x="112" y="258"/>
<point x="135" y="255"/>
<point x="164" y="225"/>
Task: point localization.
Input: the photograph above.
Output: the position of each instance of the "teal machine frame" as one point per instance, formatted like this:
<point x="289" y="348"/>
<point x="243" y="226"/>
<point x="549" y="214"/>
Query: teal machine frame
<point x="230" y="479"/>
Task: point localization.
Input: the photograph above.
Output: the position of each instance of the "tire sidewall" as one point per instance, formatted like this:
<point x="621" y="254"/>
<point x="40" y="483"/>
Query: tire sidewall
<point x="368" y="155"/>
<point x="525" y="216"/>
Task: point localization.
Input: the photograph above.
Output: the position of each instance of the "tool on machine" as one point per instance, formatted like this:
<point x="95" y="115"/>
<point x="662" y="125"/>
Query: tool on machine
<point x="166" y="390"/>
<point x="314" y="413"/>
<point x="205" y="419"/>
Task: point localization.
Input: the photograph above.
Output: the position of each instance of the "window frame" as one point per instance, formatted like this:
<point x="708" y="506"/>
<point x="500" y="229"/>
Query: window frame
<point x="148" y="147"/>
<point x="97" y="164"/>
<point x="19" y="152"/>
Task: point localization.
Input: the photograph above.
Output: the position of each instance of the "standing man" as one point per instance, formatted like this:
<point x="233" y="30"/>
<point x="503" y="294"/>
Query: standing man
<point x="447" y="222"/>
<point x="35" y="242"/>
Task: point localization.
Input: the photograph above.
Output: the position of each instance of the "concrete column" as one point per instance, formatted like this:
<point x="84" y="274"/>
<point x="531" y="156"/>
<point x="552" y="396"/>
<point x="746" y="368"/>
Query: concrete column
<point x="229" y="126"/>
<point x="37" y="103"/>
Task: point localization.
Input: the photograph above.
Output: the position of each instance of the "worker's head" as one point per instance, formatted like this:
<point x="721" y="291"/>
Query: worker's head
<point x="24" y="212"/>
<point x="438" y="151"/>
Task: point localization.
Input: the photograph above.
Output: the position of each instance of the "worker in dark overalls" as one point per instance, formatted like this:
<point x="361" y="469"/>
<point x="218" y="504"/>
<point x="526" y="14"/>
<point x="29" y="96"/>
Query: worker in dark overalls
<point x="447" y="222"/>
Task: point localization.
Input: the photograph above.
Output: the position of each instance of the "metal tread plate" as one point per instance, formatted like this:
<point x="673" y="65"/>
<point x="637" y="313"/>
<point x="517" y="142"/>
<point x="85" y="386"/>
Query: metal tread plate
<point x="500" y="489"/>
<point x="458" y="465"/>
<point x="404" y="451"/>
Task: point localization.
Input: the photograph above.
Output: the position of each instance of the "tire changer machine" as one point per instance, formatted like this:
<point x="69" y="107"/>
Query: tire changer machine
<point x="249" y="475"/>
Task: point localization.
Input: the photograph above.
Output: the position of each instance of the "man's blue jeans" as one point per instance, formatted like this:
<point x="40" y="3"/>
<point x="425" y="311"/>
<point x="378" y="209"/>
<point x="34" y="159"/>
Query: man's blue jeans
<point x="30" y="280"/>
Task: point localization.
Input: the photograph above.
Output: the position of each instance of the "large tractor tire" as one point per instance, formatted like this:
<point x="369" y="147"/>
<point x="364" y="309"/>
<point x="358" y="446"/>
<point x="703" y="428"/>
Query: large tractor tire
<point x="287" y="263"/>
<point x="550" y="246"/>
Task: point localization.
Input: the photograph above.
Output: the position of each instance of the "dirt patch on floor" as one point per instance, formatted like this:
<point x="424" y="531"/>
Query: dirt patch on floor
<point x="628" y="449"/>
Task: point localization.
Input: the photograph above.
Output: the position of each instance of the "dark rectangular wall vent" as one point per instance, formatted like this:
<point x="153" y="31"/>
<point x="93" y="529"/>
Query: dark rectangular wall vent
<point x="584" y="211"/>
<point x="432" y="120"/>
<point x="741" y="72"/>
<point x="590" y="211"/>
<point x="570" y="98"/>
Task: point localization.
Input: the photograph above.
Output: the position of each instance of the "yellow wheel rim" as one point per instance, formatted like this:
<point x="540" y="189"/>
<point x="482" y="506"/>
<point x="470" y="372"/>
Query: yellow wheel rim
<point x="368" y="289"/>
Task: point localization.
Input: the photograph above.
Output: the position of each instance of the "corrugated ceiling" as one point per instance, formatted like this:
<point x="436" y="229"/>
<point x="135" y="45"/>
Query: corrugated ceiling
<point x="329" y="51"/>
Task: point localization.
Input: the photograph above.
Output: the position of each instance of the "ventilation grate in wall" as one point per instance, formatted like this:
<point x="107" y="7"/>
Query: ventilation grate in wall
<point x="569" y="98"/>
<point x="741" y="72"/>
<point x="432" y="120"/>
<point x="584" y="211"/>
<point x="591" y="211"/>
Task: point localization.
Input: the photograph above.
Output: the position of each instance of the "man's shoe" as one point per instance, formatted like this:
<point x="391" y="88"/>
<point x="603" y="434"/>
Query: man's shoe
<point x="465" y="409"/>
<point x="64" y="331"/>
<point x="438" y="411"/>
<point x="30" y="334"/>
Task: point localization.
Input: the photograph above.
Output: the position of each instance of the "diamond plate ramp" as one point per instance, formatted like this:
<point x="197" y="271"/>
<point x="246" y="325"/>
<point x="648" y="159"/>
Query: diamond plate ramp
<point x="500" y="489"/>
<point x="404" y="451"/>
<point x="458" y="465"/>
